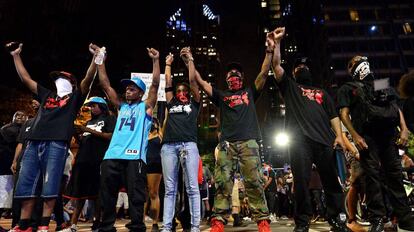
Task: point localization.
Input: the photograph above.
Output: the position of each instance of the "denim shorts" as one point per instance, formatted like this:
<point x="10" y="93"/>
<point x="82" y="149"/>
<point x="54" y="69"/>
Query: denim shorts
<point x="41" y="169"/>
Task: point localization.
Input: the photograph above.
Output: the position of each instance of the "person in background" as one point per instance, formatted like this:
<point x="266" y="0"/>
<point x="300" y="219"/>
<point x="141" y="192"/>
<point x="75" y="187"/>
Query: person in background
<point x="15" y="167"/>
<point x="8" y="142"/>
<point x="154" y="172"/>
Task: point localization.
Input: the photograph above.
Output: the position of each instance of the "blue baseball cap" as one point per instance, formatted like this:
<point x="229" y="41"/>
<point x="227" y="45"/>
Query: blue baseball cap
<point x="97" y="100"/>
<point x="136" y="81"/>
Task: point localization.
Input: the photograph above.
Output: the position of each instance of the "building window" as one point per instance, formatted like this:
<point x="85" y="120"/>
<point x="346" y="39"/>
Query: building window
<point x="407" y="28"/>
<point x="354" y="15"/>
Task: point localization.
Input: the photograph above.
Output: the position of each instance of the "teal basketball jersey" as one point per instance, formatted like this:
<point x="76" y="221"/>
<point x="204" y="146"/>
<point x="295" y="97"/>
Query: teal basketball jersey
<point x="130" y="138"/>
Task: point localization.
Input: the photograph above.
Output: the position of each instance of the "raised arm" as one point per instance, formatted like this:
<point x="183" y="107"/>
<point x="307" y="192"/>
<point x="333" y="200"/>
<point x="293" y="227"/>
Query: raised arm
<point x="21" y="70"/>
<point x="277" y="60"/>
<point x="106" y="85"/>
<point x="189" y="60"/>
<point x="91" y="72"/>
<point x="264" y="71"/>
<point x="168" y="80"/>
<point x="153" y="90"/>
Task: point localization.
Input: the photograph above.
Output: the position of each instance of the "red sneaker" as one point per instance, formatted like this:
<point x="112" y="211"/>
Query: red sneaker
<point x="217" y="225"/>
<point x="17" y="229"/>
<point x="263" y="226"/>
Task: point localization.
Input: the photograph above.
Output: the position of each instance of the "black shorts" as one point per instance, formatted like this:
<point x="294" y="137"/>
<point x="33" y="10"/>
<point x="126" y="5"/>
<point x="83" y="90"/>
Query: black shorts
<point x="84" y="182"/>
<point x="154" y="168"/>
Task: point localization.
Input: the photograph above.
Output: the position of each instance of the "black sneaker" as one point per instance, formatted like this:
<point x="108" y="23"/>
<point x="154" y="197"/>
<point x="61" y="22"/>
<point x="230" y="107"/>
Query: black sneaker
<point x="299" y="228"/>
<point x="95" y="226"/>
<point x="338" y="224"/>
<point x="406" y="223"/>
<point x="377" y="225"/>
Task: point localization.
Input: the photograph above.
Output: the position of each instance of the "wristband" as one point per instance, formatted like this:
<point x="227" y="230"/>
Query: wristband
<point x="169" y="89"/>
<point x="168" y="65"/>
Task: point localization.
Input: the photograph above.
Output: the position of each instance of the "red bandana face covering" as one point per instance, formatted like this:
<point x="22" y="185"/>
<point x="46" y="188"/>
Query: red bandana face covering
<point x="234" y="83"/>
<point x="182" y="96"/>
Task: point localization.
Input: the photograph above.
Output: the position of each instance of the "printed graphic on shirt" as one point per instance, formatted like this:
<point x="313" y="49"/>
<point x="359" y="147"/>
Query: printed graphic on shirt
<point x="131" y="152"/>
<point x="236" y="100"/>
<point x="313" y="94"/>
<point x="96" y="127"/>
<point x="52" y="103"/>
<point x="180" y="109"/>
<point x="128" y="119"/>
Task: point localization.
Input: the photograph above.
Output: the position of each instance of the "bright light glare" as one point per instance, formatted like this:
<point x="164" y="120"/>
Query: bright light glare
<point x="282" y="139"/>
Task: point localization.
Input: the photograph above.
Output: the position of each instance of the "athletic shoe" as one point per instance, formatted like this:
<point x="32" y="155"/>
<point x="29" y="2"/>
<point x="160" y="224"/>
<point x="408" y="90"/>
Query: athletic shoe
<point x="263" y="226"/>
<point x="216" y="225"/>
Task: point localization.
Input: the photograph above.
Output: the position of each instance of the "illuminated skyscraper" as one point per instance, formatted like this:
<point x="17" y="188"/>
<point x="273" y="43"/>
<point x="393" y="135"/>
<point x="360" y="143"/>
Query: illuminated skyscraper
<point x="196" y="25"/>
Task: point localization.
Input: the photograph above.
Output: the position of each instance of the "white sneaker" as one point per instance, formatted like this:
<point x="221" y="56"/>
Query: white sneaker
<point x="272" y="218"/>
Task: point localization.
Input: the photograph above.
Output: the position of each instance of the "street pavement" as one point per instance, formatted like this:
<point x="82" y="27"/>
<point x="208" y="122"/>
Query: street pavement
<point x="279" y="226"/>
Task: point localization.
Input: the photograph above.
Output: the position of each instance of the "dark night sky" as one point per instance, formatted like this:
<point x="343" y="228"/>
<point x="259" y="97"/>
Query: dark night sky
<point x="56" y="35"/>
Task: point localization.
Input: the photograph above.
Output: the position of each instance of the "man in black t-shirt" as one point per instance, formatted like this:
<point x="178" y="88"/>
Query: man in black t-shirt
<point x="315" y="127"/>
<point x="377" y="143"/>
<point x="48" y="142"/>
<point x="238" y="149"/>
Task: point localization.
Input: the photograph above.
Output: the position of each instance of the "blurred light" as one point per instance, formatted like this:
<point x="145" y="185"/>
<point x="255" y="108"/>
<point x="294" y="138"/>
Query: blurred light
<point x="373" y="28"/>
<point x="264" y="4"/>
<point x="282" y="139"/>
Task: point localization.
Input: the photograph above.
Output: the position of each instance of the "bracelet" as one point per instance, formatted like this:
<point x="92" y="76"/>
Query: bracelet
<point x="268" y="51"/>
<point x="168" y="65"/>
<point x="169" y="89"/>
<point x="191" y="58"/>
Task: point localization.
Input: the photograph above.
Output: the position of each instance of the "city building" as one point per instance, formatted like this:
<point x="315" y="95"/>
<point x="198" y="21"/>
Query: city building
<point x="196" y="25"/>
<point x="379" y="29"/>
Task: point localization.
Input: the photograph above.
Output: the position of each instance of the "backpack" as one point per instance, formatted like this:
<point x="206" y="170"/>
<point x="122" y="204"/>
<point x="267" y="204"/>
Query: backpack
<point x="377" y="109"/>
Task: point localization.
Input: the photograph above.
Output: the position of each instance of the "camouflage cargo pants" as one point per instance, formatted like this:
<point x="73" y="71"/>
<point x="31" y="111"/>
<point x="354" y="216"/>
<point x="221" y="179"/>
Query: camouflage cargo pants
<point x="240" y="156"/>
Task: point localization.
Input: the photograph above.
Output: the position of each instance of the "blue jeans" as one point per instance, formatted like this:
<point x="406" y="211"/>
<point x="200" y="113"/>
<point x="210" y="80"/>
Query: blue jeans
<point x="172" y="154"/>
<point x="41" y="168"/>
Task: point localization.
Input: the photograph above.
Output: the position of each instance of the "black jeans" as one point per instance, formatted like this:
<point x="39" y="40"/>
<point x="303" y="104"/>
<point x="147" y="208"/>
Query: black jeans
<point x="382" y="156"/>
<point x="304" y="152"/>
<point x="318" y="205"/>
<point x="271" y="198"/>
<point x="112" y="174"/>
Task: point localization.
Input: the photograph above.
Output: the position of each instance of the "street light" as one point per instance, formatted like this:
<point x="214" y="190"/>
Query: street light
<point x="282" y="139"/>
